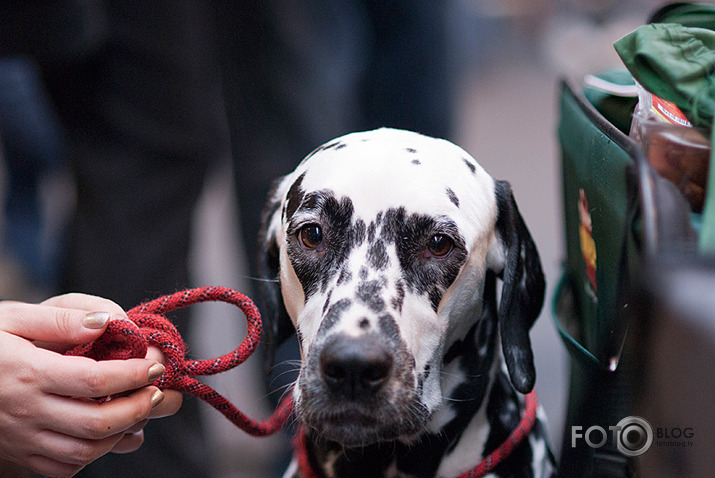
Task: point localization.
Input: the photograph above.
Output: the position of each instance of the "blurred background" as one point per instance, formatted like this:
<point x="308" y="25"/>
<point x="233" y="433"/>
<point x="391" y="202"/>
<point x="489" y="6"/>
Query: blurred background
<point x="96" y="166"/>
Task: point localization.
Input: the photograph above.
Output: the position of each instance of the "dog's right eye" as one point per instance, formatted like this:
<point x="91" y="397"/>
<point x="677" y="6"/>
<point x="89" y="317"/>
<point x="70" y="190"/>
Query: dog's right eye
<point x="311" y="237"/>
<point x="440" y="245"/>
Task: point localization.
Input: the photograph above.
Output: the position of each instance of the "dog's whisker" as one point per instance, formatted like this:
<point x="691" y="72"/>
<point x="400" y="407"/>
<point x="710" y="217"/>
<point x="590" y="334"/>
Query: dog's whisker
<point x="285" y="368"/>
<point x="475" y="376"/>
<point x="295" y="364"/>
<point x="278" y="378"/>
<point x="293" y="422"/>
<point x="284" y="391"/>
<point x="458" y="400"/>
<point x="288" y="385"/>
<point x="287" y="388"/>
<point x="260" y="279"/>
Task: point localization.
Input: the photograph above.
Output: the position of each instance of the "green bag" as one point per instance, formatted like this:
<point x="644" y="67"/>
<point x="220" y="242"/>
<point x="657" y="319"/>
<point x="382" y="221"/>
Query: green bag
<point x="618" y="212"/>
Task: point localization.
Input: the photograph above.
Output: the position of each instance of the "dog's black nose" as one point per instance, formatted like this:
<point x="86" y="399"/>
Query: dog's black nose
<point x="355" y="366"/>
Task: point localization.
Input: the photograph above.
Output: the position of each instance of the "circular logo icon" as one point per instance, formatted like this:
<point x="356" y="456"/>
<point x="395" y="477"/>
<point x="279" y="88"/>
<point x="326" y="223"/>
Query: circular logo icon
<point x="635" y="436"/>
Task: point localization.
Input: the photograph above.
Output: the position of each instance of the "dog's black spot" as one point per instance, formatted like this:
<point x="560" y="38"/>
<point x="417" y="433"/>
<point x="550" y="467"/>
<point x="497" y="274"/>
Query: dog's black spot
<point x="411" y="150"/>
<point x="294" y="198"/>
<point x="399" y="299"/>
<point x="410" y="234"/>
<point x="364" y="323"/>
<point x="333" y="316"/>
<point x="368" y="293"/>
<point x="345" y="275"/>
<point x="333" y="145"/>
<point x="312" y="153"/>
<point x="378" y="218"/>
<point x="371" y="230"/>
<point x="363" y="273"/>
<point x="377" y="255"/>
<point x="416" y="162"/>
<point x="435" y="297"/>
<point x="389" y="329"/>
<point x="315" y="269"/>
<point x="327" y="301"/>
<point x="452" y="197"/>
<point x="422" y="378"/>
<point x="469" y="164"/>
<point x="357" y="234"/>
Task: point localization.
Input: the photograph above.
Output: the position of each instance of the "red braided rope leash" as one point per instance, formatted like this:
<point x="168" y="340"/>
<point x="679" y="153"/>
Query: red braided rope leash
<point x="147" y="326"/>
<point x="517" y="435"/>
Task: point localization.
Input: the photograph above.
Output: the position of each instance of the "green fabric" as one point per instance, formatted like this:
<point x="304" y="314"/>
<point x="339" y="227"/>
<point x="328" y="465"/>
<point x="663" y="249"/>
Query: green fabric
<point x="677" y="63"/>
<point x="700" y="15"/>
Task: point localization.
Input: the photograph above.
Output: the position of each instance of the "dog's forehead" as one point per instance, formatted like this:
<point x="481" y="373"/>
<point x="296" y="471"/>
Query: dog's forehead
<point x="393" y="168"/>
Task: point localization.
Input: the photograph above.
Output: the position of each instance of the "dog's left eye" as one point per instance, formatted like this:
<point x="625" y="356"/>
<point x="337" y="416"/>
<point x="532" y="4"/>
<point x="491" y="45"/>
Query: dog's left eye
<point x="310" y="237"/>
<point x="440" y="245"/>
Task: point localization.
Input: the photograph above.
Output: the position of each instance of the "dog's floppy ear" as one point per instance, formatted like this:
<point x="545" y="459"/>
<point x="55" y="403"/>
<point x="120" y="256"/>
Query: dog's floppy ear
<point x="277" y="326"/>
<point x="517" y="262"/>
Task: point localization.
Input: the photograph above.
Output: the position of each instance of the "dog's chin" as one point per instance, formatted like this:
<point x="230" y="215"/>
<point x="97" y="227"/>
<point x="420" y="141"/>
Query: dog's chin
<point x="350" y="427"/>
<point x="354" y="434"/>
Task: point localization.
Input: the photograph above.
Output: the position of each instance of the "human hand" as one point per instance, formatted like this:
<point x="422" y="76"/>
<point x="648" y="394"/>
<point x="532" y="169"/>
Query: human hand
<point x="48" y="421"/>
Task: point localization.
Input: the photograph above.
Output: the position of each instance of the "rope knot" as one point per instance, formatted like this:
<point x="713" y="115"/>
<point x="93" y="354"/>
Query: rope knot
<point x="122" y="340"/>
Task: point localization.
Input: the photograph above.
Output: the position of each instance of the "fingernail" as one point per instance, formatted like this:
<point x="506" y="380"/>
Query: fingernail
<point x="156" y="371"/>
<point x="95" y="320"/>
<point x="156" y="399"/>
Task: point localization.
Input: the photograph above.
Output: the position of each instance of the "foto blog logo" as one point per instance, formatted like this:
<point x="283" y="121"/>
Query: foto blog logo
<point x="633" y="436"/>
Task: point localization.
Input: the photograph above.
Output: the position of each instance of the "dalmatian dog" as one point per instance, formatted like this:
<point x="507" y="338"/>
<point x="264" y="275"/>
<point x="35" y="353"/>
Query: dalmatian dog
<point x="382" y="251"/>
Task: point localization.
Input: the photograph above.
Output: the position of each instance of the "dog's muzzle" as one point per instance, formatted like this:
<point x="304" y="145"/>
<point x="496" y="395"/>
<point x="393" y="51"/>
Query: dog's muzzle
<point x="357" y="390"/>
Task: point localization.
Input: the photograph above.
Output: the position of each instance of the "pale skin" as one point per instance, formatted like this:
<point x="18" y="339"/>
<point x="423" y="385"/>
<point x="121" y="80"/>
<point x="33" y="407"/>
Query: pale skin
<point x="48" y="422"/>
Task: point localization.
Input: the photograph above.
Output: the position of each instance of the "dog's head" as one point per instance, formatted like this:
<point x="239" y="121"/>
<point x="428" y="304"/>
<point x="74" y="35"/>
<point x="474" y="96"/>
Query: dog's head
<point x="381" y="243"/>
